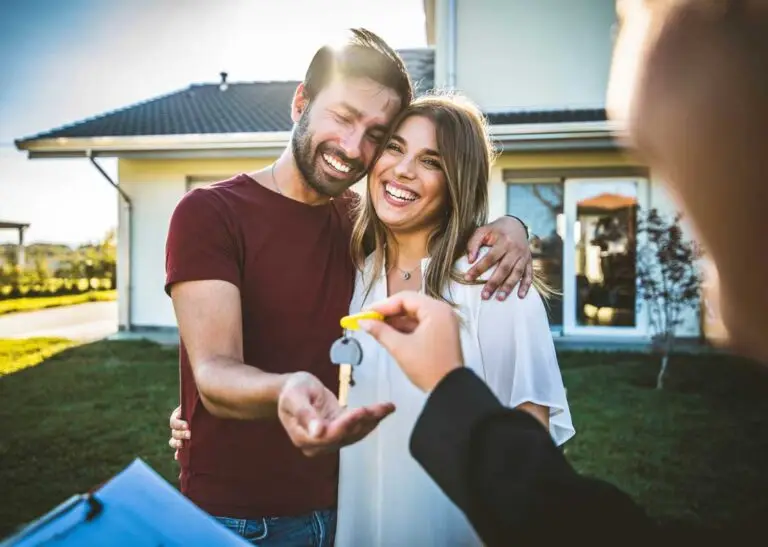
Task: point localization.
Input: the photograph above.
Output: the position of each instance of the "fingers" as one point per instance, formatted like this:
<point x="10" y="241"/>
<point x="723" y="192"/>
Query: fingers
<point x="515" y="276"/>
<point x="403" y="323"/>
<point x="475" y="242"/>
<point x="175" y="421"/>
<point x="347" y="428"/>
<point x="527" y="281"/>
<point x="356" y="423"/>
<point x="493" y="256"/>
<point x="385" y="334"/>
<point x="300" y="400"/>
<point x="180" y="434"/>
<point x="506" y="275"/>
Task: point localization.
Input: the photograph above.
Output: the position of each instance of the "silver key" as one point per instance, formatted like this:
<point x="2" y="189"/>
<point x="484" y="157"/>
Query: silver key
<point x="347" y="351"/>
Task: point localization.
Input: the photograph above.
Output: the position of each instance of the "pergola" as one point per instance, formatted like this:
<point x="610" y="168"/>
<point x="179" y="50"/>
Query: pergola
<point x="20" y="227"/>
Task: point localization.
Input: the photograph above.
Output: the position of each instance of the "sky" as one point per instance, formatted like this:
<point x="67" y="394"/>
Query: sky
<point x="63" y="61"/>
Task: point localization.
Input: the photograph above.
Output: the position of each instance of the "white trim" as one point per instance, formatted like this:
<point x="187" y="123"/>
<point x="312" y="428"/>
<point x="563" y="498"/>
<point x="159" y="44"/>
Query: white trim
<point x="218" y="141"/>
<point x="548" y="130"/>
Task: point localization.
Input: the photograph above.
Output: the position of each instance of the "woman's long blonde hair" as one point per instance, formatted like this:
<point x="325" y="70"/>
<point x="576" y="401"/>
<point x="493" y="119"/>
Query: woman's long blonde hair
<point x="466" y="155"/>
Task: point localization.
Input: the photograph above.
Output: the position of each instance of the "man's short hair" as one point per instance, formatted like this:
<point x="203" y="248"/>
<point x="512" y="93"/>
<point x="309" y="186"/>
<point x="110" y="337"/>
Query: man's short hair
<point x="362" y="54"/>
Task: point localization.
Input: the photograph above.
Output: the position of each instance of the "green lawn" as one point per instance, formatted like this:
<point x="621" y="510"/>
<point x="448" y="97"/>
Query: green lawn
<point x="41" y="302"/>
<point x="694" y="453"/>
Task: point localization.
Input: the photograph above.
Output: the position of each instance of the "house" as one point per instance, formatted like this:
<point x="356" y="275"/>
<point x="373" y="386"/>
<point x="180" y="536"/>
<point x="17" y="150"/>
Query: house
<point x="538" y="69"/>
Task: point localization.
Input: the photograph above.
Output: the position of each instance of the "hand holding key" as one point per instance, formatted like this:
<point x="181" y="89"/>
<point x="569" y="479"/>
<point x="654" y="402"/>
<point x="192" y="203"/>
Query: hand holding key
<point x="315" y="421"/>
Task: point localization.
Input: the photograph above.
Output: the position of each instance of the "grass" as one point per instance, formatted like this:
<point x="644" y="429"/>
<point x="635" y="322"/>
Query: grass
<point x="694" y="453"/>
<point x="38" y="303"/>
<point x="75" y="420"/>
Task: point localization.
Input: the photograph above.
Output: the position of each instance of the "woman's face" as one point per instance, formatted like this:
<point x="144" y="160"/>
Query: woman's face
<point x="407" y="184"/>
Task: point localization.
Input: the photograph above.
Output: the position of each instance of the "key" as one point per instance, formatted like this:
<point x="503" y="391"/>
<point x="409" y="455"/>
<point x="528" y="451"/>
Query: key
<point x="347" y="353"/>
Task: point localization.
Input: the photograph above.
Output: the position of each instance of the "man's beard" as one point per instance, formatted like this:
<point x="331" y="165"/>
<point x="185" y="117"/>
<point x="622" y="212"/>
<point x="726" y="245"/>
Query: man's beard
<point x="305" y="157"/>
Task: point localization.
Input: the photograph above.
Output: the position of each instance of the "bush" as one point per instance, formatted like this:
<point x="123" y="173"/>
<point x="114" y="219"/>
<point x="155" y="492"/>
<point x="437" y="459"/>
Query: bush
<point x="55" y="287"/>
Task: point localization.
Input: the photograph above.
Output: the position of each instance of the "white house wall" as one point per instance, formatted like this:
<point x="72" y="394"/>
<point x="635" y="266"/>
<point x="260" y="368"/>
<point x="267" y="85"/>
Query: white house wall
<point x="155" y="187"/>
<point x="526" y="54"/>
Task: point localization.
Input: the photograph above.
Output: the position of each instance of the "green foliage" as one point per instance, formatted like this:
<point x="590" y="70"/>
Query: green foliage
<point x="38" y="303"/>
<point x="54" y="269"/>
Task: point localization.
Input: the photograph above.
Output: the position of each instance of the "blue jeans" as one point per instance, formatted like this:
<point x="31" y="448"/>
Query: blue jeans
<point x="316" y="529"/>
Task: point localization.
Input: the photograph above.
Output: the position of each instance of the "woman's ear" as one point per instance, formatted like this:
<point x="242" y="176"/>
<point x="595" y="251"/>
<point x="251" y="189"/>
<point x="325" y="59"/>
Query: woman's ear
<point x="299" y="103"/>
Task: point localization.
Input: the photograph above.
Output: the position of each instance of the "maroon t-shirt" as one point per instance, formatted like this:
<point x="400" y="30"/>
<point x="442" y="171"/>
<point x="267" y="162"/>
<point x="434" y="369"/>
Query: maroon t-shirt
<point x="292" y="264"/>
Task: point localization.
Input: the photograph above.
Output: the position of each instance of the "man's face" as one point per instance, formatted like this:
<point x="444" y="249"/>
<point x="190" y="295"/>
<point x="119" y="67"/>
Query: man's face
<point x="336" y="135"/>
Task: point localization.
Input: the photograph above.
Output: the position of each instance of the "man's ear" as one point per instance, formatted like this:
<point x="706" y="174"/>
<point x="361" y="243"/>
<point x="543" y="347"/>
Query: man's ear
<point x="299" y="103"/>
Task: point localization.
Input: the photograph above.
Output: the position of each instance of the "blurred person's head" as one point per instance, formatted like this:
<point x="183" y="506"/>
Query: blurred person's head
<point x="350" y="94"/>
<point x="689" y="84"/>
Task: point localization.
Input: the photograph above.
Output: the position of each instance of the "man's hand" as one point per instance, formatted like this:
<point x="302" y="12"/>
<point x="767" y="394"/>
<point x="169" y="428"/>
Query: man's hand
<point x="421" y="333"/>
<point x="315" y="421"/>
<point x="509" y="252"/>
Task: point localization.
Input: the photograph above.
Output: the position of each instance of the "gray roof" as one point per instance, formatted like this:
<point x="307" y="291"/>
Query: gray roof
<point x="254" y="107"/>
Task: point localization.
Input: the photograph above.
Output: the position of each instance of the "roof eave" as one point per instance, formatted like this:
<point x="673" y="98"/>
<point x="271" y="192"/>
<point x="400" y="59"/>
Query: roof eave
<point x="540" y="136"/>
<point x="602" y="135"/>
<point x="154" y="144"/>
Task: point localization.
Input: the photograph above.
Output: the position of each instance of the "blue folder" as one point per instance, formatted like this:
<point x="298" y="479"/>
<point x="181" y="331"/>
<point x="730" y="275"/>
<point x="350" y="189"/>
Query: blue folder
<point x="135" y="508"/>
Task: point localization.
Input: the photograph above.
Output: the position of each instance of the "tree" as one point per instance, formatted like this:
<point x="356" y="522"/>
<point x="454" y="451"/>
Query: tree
<point x="668" y="278"/>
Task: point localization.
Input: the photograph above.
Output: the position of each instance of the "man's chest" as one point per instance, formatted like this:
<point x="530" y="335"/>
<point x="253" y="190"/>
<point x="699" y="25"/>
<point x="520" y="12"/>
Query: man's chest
<point x="296" y="279"/>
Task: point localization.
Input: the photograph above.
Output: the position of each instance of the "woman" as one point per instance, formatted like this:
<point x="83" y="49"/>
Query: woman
<point x="427" y="192"/>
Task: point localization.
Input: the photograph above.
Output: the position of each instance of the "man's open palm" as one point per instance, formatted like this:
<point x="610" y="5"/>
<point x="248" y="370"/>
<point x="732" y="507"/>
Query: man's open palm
<point x="315" y="421"/>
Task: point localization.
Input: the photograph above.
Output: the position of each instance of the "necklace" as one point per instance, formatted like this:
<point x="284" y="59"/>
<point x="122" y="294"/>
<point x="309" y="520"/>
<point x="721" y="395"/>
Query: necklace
<point x="406" y="274"/>
<point x="274" y="180"/>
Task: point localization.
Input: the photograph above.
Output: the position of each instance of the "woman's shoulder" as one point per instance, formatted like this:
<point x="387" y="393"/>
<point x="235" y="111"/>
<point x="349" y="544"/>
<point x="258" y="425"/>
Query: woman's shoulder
<point x="471" y="292"/>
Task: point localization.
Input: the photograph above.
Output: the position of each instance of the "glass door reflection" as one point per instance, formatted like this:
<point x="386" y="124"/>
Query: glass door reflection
<point x="602" y="252"/>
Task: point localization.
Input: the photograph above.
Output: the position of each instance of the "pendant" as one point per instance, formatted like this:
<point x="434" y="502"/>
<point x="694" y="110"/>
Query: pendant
<point x="406" y="275"/>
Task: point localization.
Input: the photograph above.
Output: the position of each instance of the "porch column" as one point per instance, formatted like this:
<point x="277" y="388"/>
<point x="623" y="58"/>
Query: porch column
<point x="20" y="251"/>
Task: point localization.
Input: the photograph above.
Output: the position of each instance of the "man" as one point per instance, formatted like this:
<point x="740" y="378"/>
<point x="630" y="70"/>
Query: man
<point x="259" y="271"/>
<point x="689" y="78"/>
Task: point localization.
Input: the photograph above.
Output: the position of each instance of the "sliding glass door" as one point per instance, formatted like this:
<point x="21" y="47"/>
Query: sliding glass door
<point x="585" y="243"/>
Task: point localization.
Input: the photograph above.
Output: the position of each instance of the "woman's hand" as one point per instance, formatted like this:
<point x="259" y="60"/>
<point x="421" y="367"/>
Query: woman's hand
<point x="179" y="432"/>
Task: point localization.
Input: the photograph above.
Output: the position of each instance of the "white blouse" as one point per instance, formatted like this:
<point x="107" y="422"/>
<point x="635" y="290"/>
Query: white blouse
<point x="385" y="497"/>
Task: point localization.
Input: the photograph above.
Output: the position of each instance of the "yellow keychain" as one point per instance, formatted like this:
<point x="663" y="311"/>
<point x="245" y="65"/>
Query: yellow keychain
<point x="350" y="322"/>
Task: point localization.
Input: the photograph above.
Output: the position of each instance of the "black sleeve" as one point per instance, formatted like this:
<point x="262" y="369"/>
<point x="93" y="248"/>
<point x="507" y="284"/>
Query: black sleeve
<point x="501" y="467"/>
